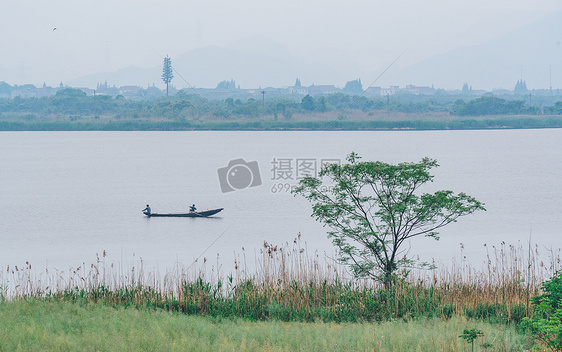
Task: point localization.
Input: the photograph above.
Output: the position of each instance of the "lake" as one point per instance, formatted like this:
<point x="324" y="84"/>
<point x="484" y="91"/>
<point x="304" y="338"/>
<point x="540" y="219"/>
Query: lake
<point x="67" y="196"/>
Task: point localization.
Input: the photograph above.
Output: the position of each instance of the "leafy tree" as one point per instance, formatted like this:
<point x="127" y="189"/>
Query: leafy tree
<point x="471" y="335"/>
<point x="250" y="108"/>
<point x="354" y="87"/>
<point x="321" y="105"/>
<point x="71" y="101"/>
<point x="307" y="103"/>
<point x="339" y="100"/>
<point x="488" y="105"/>
<point x="556" y="109"/>
<point x="70" y="93"/>
<point x="167" y="73"/>
<point x="372" y="209"/>
<point x="5" y="88"/>
<point x="286" y="107"/>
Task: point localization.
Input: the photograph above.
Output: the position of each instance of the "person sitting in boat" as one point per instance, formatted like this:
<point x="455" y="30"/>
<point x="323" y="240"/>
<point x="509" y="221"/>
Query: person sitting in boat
<point x="146" y="210"/>
<point x="192" y="208"/>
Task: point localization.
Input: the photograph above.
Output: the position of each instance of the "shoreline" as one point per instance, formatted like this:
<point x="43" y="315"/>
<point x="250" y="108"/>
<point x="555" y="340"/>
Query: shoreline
<point x="275" y="125"/>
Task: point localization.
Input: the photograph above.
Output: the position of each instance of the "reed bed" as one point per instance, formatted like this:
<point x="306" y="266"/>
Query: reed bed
<point x="290" y="283"/>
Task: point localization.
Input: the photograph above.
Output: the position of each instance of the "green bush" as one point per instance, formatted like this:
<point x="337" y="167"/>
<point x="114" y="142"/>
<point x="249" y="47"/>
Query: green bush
<point x="546" y="325"/>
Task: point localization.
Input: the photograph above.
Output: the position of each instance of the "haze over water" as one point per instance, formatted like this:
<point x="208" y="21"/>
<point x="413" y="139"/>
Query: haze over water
<point x="66" y="196"/>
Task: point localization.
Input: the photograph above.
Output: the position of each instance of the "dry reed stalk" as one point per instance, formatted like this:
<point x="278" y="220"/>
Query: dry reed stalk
<point x="291" y="276"/>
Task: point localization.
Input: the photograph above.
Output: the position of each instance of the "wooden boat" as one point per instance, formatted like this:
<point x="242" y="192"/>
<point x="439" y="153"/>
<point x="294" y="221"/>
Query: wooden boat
<point x="195" y="214"/>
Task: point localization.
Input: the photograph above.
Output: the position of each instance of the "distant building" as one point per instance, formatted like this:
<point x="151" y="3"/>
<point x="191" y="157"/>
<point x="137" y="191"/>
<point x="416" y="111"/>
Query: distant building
<point x="298" y="90"/>
<point x="129" y="91"/>
<point x="389" y="91"/>
<point x="322" y="90"/>
<point x="24" y="92"/>
<point x="313" y="90"/>
<point x="46" y="91"/>
<point x="373" y="91"/>
<point x="502" y="92"/>
<point x="419" y="90"/>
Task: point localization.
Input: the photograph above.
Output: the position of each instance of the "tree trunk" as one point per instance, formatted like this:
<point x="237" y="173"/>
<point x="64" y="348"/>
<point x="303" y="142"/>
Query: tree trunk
<point x="388" y="278"/>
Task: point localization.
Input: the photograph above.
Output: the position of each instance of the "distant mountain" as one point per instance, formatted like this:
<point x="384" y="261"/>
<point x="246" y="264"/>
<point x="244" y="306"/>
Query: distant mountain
<point x="261" y="45"/>
<point x="252" y="62"/>
<point x="529" y="53"/>
<point x="128" y="76"/>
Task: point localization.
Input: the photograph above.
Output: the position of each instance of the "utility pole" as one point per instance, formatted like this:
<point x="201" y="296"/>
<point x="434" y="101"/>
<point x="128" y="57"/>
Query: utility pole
<point x="388" y="104"/>
<point x="550" y="78"/>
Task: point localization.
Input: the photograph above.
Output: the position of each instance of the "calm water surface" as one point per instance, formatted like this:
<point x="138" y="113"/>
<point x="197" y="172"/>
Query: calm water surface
<point x="65" y="196"/>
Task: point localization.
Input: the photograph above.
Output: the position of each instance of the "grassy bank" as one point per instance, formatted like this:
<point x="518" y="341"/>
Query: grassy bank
<point x="37" y="325"/>
<point x="291" y="300"/>
<point x="413" y="123"/>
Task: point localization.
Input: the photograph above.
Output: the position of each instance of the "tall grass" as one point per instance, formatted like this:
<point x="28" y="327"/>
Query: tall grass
<point x="32" y="325"/>
<point x="288" y="283"/>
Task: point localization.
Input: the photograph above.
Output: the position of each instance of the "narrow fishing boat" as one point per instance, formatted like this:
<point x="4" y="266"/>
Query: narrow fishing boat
<point x="194" y="214"/>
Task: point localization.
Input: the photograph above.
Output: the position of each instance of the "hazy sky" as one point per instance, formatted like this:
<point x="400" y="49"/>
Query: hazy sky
<point x="106" y="35"/>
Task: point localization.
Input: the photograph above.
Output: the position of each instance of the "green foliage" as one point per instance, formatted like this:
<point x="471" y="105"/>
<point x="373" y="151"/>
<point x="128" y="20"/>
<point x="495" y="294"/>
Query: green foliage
<point x="297" y="302"/>
<point x="372" y="209"/>
<point x="353" y="87"/>
<point x="471" y="335"/>
<point x="496" y="312"/>
<point x="5" y="88"/>
<point x="488" y="105"/>
<point x="487" y="345"/>
<point x="70" y="93"/>
<point x="307" y="103"/>
<point x="149" y="109"/>
<point x="546" y="325"/>
<point x="28" y="99"/>
<point x="556" y="109"/>
<point x="170" y="122"/>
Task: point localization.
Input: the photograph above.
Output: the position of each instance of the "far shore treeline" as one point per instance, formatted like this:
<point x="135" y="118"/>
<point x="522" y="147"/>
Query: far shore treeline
<point x="73" y="109"/>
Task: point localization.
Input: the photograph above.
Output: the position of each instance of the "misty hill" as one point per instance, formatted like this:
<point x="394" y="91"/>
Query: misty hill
<point x="252" y="62"/>
<point x="526" y="53"/>
<point x="530" y="52"/>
